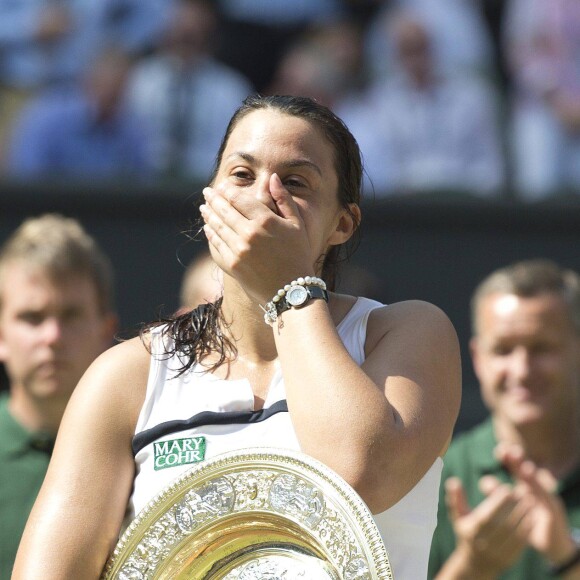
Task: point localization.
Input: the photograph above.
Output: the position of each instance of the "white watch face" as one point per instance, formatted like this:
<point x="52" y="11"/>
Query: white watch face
<point x="297" y="295"/>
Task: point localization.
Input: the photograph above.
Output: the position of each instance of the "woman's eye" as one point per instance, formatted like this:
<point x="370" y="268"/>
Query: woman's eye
<point x="241" y="174"/>
<point x="294" y="183"/>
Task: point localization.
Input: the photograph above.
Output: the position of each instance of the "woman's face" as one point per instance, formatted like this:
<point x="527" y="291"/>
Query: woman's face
<point x="268" y="141"/>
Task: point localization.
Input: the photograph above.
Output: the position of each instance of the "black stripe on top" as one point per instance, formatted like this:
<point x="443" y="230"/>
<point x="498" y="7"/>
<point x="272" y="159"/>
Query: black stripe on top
<point x="146" y="437"/>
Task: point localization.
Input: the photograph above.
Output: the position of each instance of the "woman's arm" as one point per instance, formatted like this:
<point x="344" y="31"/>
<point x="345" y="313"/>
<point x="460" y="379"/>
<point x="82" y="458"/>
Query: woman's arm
<point x="76" y="519"/>
<point x="381" y="425"/>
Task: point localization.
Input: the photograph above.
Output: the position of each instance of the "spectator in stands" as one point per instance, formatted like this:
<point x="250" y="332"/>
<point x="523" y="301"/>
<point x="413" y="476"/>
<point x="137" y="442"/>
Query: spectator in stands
<point x="520" y="470"/>
<point x="257" y="33"/>
<point x="202" y="282"/>
<point x="187" y="94"/>
<point x="56" y="316"/>
<point x="85" y="133"/>
<point x="421" y="130"/>
<point x="31" y="35"/>
<point x="325" y="63"/>
<point x="542" y="42"/>
<point x="461" y="42"/>
<point x="46" y="43"/>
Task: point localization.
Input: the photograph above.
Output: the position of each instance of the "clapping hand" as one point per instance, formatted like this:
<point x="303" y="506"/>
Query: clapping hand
<point x="491" y="536"/>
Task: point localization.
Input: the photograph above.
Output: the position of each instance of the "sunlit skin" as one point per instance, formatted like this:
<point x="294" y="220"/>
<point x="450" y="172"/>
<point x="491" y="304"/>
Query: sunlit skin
<point x="49" y="334"/>
<point x="526" y="356"/>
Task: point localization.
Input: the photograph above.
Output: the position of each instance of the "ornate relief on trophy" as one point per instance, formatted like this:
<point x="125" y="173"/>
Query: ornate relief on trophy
<point x="253" y="515"/>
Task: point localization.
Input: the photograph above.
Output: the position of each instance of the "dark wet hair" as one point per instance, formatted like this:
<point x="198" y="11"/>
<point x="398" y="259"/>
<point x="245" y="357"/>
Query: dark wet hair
<point x="197" y="333"/>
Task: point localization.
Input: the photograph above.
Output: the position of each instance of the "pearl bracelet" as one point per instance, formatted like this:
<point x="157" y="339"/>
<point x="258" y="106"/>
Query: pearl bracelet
<point x="276" y="305"/>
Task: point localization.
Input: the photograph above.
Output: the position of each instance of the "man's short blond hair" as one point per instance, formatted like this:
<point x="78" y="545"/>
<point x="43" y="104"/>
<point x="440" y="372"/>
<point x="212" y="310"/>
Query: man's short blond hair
<point x="60" y="247"/>
<point x="530" y="278"/>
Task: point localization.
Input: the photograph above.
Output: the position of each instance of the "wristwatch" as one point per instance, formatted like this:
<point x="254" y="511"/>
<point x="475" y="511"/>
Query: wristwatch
<point x="299" y="295"/>
<point x="295" y="297"/>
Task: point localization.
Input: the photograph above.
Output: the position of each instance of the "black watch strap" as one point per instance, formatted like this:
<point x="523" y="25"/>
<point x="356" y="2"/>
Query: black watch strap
<point x="313" y="292"/>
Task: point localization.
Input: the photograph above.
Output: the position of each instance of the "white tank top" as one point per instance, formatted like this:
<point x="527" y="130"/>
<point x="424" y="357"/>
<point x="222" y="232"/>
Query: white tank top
<point x="197" y="416"/>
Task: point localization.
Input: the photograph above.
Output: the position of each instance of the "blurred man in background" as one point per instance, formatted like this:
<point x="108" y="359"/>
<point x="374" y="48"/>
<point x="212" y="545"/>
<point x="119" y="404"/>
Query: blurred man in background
<point x="56" y="317"/>
<point x="520" y="470"/>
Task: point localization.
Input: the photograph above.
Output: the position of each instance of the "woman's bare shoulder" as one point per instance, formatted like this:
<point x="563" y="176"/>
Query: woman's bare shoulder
<point x="412" y="317"/>
<point x="130" y="357"/>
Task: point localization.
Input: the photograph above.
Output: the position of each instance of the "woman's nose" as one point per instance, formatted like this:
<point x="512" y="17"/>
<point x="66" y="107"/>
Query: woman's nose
<point x="263" y="193"/>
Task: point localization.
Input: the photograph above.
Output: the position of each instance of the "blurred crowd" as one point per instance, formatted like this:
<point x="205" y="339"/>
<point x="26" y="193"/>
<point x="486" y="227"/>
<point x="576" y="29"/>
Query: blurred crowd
<point x="471" y="97"/>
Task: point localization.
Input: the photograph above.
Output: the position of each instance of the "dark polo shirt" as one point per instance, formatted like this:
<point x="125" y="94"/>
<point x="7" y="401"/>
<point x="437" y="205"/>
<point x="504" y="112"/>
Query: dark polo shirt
<point x="470" y="457"/>
<point x="24" y="458"/>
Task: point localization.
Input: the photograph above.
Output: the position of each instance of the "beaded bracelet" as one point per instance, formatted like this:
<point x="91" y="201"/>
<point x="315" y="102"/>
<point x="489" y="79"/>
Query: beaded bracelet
<point x="276" y="305"/>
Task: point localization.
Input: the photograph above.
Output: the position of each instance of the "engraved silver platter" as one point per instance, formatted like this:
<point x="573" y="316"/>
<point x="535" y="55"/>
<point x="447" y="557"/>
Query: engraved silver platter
<point x="257" y="514"/>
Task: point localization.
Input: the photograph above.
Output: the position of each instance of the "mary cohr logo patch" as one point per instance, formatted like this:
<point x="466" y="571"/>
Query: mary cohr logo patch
<point x="176" y="452"/>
